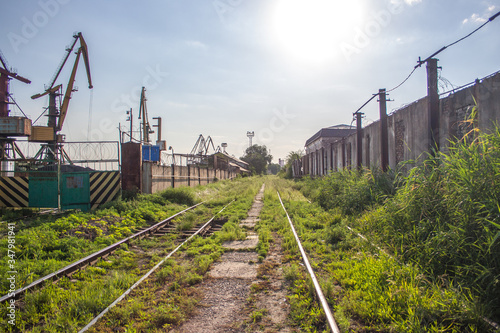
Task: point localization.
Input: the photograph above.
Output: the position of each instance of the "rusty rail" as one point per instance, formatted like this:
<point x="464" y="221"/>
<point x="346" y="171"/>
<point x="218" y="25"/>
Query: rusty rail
<point x="324" y="304"/>
<point x="145" y="276"/>
<point x="92" y="258"/>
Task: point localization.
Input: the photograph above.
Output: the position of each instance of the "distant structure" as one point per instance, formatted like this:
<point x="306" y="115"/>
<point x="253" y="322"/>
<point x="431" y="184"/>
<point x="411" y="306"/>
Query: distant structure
<point x="250" y="136"/>
<point x="319" y="148"/>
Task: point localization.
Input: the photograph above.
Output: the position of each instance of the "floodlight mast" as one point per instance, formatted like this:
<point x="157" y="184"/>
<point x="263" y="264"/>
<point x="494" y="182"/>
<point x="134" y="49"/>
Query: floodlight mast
<point x="250" y="135"/>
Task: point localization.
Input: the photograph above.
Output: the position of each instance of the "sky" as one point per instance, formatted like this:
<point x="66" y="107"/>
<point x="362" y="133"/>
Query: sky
<point x="282" y="69"/>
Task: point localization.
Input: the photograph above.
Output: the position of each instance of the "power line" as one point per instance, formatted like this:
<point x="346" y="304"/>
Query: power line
<point x="421" y="62"/>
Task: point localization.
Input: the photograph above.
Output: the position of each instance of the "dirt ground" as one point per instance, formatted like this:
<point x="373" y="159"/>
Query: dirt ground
<point x="241" y="294"/>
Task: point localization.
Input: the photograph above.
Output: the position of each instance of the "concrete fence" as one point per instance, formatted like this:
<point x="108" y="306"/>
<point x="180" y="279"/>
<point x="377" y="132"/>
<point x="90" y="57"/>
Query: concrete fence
<point x="151" y="177"/>
<point x="408" y="132"/>
<point x="159" y="177"/>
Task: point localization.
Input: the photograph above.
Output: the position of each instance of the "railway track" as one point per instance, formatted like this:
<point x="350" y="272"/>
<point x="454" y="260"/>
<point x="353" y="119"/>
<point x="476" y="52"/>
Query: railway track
<point x="164" y="228"/>
<point x="319" y="293"/>
<point x="203" y="230"/>
<point x="158" y="229"/>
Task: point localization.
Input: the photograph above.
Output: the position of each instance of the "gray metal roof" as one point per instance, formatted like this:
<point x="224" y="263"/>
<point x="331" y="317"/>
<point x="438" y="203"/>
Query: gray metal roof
<point x="339" y="131"/>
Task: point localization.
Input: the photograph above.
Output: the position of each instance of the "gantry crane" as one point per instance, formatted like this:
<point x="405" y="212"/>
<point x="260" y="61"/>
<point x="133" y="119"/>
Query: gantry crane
<point x="10" y="126"/>
<point x="49" y="135"/>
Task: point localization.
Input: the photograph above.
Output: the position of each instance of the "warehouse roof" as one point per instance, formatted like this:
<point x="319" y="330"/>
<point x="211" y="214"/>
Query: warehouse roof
<point x="338" y="131"/>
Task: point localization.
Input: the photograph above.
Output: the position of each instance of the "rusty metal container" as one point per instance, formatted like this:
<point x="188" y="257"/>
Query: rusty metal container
<point x="41" y="134"/>
<point x="15" y="126"/>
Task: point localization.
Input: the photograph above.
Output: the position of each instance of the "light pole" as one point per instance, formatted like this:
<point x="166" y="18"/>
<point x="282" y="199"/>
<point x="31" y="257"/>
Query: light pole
<point x="250" y="136"/>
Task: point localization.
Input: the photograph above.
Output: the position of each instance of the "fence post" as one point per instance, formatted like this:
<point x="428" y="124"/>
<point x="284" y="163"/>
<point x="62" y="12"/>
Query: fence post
<point x="384" y="136"/>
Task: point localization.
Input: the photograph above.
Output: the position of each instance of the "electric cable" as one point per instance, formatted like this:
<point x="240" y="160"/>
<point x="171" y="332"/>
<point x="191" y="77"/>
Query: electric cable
<point x="421" y="62"/>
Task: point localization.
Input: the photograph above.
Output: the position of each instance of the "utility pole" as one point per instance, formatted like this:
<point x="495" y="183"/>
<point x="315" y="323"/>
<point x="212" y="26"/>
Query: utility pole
<point x="433" y="104"/>
<point x="130" y="118"/>
<point x="384" y="137"/>
<point x="359" y="139"/>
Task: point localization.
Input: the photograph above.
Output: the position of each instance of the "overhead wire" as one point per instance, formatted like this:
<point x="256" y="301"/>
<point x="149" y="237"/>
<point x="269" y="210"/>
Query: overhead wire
<point x="421" y="62"/>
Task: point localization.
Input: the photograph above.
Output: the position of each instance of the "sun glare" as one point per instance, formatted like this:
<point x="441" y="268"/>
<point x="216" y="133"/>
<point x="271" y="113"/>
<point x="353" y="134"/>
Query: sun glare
<point x="311" y="30"/>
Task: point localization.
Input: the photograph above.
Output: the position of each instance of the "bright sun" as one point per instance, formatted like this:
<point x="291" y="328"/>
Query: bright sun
<point x="311" y="30"/>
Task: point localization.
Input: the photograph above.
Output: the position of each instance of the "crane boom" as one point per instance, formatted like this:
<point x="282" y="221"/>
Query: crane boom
<point x="143" y="112"/>
<point x="69" y="89"/>
<point x="52" y="90"/>
<point x="6" y="71"/>
<point x="63" y="62"/>
<point x="4" y="62"/>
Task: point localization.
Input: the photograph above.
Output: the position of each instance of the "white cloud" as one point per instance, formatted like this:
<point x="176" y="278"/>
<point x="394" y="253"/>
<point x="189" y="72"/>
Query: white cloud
<point x="476" y="18"/>
<point x="196" y="44"/>
<point x="412" y="2"/>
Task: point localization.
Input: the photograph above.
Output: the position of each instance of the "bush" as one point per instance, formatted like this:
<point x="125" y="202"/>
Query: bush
<point x="181" y="196"/>
<point x="351" y="191"/>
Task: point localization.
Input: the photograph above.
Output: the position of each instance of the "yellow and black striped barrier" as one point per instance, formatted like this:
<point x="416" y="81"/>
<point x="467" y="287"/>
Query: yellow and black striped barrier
<point x="104" y="187"/>
<point x="14" y="192"/>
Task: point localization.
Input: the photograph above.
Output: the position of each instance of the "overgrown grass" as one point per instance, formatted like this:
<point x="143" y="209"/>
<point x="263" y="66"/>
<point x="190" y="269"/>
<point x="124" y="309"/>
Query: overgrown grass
<point x="45" y="245"/>
<point x="368" y="290"/>
<point x="350" y="191"/>
<point x="446" y="218"/>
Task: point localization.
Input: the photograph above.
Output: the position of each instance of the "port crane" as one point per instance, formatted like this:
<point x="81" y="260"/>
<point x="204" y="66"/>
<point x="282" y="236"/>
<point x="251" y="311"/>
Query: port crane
<point x="10" y="126"/>
<point x="143" y="113"/>
<point x="5" y="76"/>
<point x="49" y="135"/>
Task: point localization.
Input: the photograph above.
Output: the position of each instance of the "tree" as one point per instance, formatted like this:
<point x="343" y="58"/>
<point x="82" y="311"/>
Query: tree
<point x="292" y="156"/>
<point x="274" y="168"/>
<point x="258" y="158"/>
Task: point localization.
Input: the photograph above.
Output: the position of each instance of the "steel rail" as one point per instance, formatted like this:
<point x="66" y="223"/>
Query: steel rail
<point x="486" y="320"/>
<point x="145" y="276"/>
<point x="324" y="304"/>
<point x="92" y="258"/>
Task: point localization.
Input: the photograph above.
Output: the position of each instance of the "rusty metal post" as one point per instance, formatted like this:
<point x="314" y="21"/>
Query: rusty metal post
<point x="384" y="136"/>
<point x="189" y="175"/>
<point x="359" y="140"/>
<point x="173" y="175"/>
<point x="433" y="104"/>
